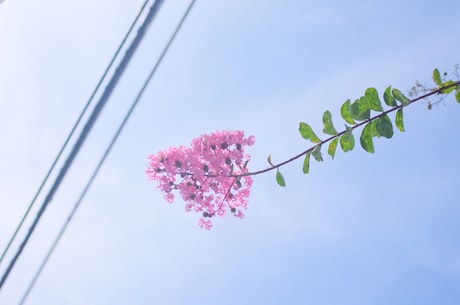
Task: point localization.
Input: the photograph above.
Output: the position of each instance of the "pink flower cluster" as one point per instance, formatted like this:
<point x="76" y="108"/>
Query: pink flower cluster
<point x="207" y="175"/>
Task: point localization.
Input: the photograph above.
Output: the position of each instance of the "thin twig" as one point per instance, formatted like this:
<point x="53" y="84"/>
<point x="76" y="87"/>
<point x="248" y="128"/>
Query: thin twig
<point x="276" y="166"/>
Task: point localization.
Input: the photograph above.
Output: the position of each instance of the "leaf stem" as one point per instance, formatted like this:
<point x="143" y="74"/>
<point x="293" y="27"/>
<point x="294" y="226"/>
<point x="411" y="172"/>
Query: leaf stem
<point x="276" y="166"/>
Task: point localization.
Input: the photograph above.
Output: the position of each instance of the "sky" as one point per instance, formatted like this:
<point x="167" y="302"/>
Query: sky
<point x="363" y="228"/>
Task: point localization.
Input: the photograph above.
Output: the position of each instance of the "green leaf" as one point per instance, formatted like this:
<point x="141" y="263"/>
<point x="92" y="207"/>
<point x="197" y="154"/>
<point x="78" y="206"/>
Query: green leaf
<point x="328" y="125"/>
<point x="437" y="77"/>
<point x="366" y="139"/>
<point x="388" y="97"/>
<point x="384" y="126"/>
<point x="448" y="90"/>
<point x="399" y="119"/>
<point x="345" y="111"/>
<point x="280" y="179"/>
<point x="400" y="97"/>
<point x="307" y="133"/>
<point x="306" y="163"/>
<point x="374" y="132"/>
<point x="457" y="94"/>
<point x="360" y="109"/>
<point x="316" y="153"/>
<point x="347" y="140"/>
<point x="374" y="100"/>
<point x="332" y="147"/>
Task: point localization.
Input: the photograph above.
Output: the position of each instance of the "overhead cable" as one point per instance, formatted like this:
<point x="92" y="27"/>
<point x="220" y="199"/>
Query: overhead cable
<point x="77" y="123"/>
<point x="85" y="131"/>
<point x="104" y="156"/>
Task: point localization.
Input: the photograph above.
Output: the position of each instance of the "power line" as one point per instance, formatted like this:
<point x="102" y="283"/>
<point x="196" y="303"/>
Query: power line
<point x="104" y="156"/>
<point x="77" y="123"/>
<point x="85" y="131"/>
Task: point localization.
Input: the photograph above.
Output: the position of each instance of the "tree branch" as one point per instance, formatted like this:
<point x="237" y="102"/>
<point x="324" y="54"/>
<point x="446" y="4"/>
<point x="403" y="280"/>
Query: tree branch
<point x="276" y="166"/>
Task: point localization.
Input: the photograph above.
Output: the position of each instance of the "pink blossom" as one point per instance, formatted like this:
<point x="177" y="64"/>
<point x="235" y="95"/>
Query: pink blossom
<point x="207" y="175"/>
<point x="206" y="224"/>
<point x="169" y="197"/>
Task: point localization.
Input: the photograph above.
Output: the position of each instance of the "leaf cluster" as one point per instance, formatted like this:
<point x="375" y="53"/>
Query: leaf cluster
<point x="446" y="86"/>
<point x="368" y="112"/>
<point x="356" y="114"/>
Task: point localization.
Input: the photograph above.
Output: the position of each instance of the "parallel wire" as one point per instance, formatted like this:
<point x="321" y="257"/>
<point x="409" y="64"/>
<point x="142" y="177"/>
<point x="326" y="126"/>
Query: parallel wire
<point x="77" y="123"/>
<point x="104" y="156"/>
<point x="84" y="133"/>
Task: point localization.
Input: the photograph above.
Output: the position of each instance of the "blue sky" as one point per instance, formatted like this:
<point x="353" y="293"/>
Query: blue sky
<point x="359" y="229"/>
